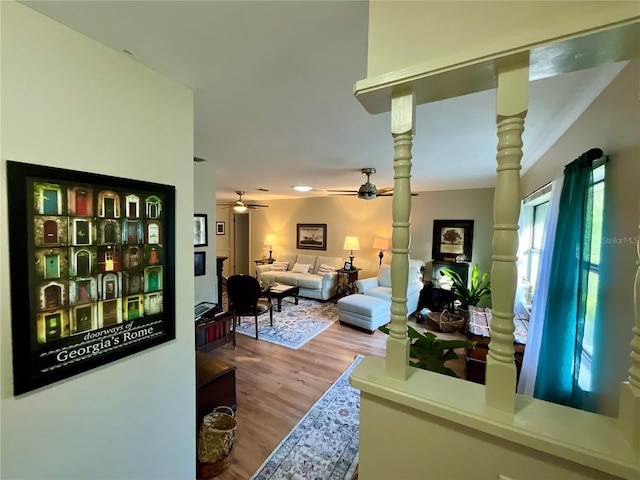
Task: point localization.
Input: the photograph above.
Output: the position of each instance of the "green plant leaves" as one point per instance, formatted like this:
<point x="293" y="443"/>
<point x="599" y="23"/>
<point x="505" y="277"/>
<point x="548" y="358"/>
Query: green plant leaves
<point x="471" y="295"/>
<point x="429" y="352"/>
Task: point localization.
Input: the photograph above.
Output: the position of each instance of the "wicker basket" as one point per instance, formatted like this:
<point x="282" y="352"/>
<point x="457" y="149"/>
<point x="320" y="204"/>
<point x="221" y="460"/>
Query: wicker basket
<point x="447" y="322"/>
<point x="210" y="470"/>
<point x="215" y="438"/>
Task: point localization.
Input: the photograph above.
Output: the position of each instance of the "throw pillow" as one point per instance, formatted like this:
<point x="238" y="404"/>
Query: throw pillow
<point x="325" y="270"/>
<point x="279" y="266"/>
<point x="301" y="268"/>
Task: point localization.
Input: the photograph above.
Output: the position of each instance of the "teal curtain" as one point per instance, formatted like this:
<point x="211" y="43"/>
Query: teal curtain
<point x="561" y="345"/>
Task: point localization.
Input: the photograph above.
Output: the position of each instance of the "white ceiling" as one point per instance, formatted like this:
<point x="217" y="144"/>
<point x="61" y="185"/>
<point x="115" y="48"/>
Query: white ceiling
<point x="274" y="104"/>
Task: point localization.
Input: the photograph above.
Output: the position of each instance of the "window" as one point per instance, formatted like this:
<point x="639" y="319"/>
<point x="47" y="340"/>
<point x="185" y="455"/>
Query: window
<point x="594" y="265"/>
<point x="534" y="214"/>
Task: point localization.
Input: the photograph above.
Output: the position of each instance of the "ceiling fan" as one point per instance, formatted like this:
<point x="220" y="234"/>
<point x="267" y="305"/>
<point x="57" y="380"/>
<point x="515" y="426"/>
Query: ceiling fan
<point x="368" y="190"/>
<point x="240" y="207"/>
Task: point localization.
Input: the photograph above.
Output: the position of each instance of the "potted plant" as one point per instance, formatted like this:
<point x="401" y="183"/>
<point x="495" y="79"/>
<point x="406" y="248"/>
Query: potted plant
<point x="429" y="352"/>
<point x="479" y="287"/>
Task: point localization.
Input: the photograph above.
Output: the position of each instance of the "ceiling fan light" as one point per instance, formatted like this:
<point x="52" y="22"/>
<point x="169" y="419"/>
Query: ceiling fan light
<point x="239" y="208"/>
<point x="302" y="188"/>
<point x="367" y="196"/>
<point x="367" y="191"/>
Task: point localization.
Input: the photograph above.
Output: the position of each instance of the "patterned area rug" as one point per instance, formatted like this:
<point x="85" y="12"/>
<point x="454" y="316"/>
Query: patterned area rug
<point x="295" y="325"/>
<point x="324" y="444"/>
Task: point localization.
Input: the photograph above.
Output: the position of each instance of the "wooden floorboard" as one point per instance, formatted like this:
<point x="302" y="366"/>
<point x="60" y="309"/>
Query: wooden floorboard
<point x="276" y="386"/>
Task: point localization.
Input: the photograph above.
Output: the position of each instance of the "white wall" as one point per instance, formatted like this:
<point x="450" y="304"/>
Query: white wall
<point x="204" y="181"/>
<point x="70" y="102"/>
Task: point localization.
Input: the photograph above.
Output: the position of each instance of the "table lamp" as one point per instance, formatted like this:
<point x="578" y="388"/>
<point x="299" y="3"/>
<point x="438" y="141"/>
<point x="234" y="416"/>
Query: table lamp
<point x="270" y="240"/>
<point x="381" y="244"/>
<point x="351" y="243"/>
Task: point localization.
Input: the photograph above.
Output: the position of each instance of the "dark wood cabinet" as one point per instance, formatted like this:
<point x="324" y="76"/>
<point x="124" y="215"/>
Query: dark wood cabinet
<point x="212" y="332"/>
<point x="435" y="298"/>
<point x="215" y="383"/>
<point x="461" y="269"/>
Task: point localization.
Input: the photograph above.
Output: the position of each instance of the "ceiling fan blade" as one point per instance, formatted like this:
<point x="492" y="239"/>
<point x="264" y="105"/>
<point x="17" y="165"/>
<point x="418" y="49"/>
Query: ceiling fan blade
<point x="385" y="190"/>
<point x="344" y="191"/>
<point x="255" y="205"/>
<point x="391" y="194"/>
<point x="343" y="194"/>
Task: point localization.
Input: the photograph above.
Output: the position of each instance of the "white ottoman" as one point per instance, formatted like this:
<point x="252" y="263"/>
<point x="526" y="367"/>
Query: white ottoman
<point x="364" y="311"/>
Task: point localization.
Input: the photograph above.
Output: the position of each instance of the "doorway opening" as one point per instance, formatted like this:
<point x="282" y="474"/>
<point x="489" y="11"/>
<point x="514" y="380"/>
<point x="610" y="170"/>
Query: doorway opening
<point x="241" y="244"/>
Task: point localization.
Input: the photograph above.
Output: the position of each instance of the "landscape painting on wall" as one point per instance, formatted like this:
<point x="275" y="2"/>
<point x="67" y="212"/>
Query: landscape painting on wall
<point x="452" y="240"/>
<point x="311" y="236"/>
<point x="92" y="270"/>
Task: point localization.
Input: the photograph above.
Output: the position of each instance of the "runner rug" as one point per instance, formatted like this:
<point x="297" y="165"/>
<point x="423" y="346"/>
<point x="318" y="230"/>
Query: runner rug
<point x="324" y="444"/>
<point x="295" y="325"/>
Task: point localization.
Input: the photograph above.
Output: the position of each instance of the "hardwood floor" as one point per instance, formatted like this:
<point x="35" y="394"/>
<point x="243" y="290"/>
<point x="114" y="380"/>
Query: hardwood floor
<point x="276" y="386"/>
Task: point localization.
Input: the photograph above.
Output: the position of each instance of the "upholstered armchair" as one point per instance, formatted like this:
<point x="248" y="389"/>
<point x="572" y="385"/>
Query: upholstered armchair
<point x="380" y="286"/>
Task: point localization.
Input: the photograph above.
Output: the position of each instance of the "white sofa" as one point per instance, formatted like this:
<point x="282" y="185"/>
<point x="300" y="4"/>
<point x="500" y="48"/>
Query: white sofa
<point x="380" y="286"/>
<point x="312" y="284"/>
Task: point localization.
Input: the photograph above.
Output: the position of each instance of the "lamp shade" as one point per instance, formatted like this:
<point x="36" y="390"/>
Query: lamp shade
<point x="381" y="243"/>
<point x="270" y="239"/>
<point x="351" y="243"/>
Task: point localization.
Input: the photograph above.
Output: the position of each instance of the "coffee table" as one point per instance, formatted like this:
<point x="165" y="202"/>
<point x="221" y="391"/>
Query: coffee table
<point x="281" y="291"/>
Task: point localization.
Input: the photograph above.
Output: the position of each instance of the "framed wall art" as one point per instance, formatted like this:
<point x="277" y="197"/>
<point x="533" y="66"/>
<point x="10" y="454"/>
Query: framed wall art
<point x="200" y="230"/>
<point x="200" y="263"/>
<point x="452" y="240"/>
<point x="220" y="228"/>
<point x="311" y="236"/>
<point x="92" y="261"/>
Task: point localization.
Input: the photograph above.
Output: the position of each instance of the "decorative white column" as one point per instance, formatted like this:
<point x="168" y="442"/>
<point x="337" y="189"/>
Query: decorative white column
<point x="629" y="408"/>
<point x="513" y="84"/>
<point x="403" y="113"/>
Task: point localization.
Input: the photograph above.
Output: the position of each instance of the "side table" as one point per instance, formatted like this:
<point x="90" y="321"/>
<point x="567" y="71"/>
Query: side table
<point x="265" y="261"/>
<point x="347" y="281"/>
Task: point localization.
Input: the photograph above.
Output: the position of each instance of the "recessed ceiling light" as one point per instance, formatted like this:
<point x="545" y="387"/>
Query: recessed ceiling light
<point x="302" y="188"/>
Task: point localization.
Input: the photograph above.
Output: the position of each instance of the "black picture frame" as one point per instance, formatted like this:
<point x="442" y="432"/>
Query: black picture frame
<point x="200" y="263"/>
<point x="92" y="269"/>
<point x="311" y="236"/>
<point x="347" y="266"/>
<point x="452" y="238"/>
<point x="200" y="230"/>
<point x="220" y="230"/>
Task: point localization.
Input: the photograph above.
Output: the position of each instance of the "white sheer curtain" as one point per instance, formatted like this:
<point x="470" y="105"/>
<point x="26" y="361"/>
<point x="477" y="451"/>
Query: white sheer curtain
<point x="530" y="362"/>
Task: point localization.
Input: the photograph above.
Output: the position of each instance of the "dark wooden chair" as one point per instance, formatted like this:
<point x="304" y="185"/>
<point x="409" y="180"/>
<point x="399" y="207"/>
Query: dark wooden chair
<point x="246" y="298"/>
